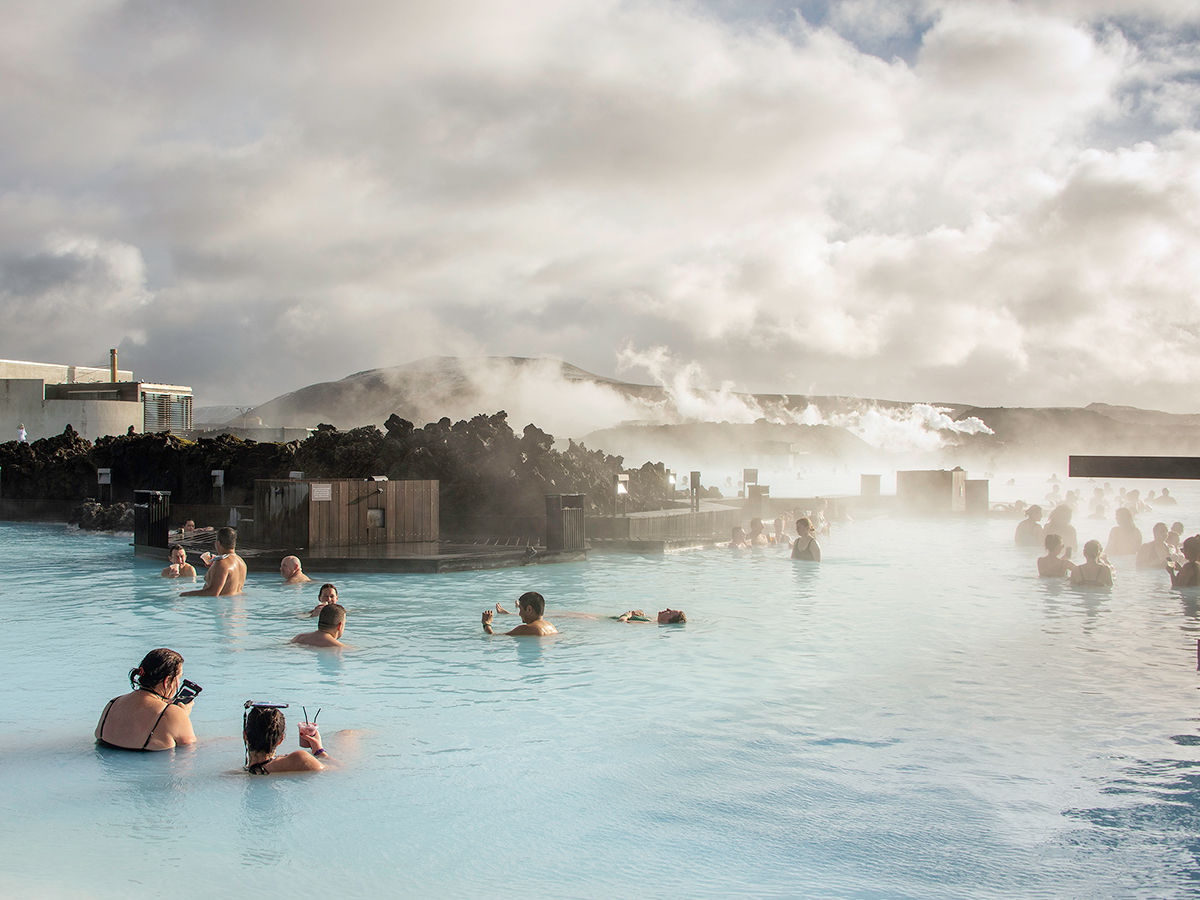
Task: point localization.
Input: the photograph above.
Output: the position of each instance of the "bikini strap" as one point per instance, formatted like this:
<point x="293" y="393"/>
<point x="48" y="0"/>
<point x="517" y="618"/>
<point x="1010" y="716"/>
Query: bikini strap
<point x="156" y="721"/>
<point x="103" y="717"/>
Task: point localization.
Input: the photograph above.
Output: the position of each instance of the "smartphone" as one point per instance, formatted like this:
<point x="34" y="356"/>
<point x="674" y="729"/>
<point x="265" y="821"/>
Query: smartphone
<point x="187" y="692"/>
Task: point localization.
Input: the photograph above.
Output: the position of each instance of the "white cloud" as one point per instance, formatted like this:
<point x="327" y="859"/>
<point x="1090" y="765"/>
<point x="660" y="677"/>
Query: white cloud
<point x="988" y="199"/>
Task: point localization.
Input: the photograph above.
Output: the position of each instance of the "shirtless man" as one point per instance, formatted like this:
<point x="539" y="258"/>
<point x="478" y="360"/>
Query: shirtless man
<point x="530" y="607"/>
<point x="226" y="570"/>
<point x="290" y="569"/>
<point x="179" y="567"/>
<point x="1157" y="552"/>
<point x="329" y="631"/>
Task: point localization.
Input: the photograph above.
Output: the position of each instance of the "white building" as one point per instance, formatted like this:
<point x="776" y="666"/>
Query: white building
<point x="46" y="398"/>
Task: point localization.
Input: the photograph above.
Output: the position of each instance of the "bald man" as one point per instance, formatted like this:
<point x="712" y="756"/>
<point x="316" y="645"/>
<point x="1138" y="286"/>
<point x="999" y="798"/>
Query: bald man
<point x="290" y="569"/>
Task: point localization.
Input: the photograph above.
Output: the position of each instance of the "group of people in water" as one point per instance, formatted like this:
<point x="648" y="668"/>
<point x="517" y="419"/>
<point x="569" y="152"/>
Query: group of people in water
<point x="1167" y="549"/>
<point x="804" y="546"/>
<point x="156" y="713"/>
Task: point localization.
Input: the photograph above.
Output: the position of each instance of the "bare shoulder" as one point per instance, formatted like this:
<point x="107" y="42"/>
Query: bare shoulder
<point x="296" y="761"/>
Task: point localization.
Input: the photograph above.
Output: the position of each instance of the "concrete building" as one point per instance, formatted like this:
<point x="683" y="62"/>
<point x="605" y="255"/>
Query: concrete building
<point x="46" y="397"/>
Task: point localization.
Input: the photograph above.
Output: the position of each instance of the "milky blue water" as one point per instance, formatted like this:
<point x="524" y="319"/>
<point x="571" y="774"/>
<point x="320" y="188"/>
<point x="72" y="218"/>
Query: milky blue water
<point x="918" y="716"/>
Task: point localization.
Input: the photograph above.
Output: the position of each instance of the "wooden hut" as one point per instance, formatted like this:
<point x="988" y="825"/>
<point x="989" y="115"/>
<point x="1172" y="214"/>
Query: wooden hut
<point x="344" y="512"/>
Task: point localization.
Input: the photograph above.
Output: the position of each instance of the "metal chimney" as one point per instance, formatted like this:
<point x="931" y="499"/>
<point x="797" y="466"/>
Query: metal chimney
<point x="112" y="365"/>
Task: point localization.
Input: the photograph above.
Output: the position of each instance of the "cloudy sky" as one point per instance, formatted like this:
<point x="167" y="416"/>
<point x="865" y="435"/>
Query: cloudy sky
<point x="993" y="203"/>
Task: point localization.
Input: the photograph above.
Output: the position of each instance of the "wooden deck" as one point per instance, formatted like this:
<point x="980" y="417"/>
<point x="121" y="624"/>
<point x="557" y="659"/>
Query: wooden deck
<point x="420" y="557"/>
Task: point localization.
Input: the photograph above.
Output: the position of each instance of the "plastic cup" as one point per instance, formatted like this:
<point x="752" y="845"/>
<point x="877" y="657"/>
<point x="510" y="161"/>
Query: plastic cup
<point x="307" y="730"/>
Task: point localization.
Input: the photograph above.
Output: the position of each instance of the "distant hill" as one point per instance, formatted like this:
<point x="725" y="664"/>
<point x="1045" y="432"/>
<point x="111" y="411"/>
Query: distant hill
<point x="651" y="422"/>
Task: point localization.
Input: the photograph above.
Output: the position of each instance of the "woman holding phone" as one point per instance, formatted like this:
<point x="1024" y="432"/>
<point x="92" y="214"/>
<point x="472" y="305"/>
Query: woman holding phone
<point x="155" y="715"/>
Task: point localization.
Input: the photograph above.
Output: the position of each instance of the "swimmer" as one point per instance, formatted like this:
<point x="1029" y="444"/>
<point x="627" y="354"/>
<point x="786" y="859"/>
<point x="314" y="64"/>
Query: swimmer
<point x="179" y="567"/>
<point x="188" y="527"/>
<point x="1095" y="570"/>
<point x="150" y="717"/>
<point x="666" y="616"/>
<point x="289" y="568"/>
<point x="758" y="537"/>
<point x="227" y="571"/>
<point x="326" y="595"/>
<point x="1125" y="539"/>
<point x="263" y="732"/>
<point x="330" y="627"/>
<point x="530" y="607"/>
<point x="1165" y="498"/>
<point x="1059" y="522"/>
<point x="1054" y="564"/>
<point x="1155" y="553"/>
<point x="1175" y="535"/>
<point x="739" y="540"/>
<point x="805" y="546"/>
<point x="1029" y="531"/>
<point x="1187" y="575"/>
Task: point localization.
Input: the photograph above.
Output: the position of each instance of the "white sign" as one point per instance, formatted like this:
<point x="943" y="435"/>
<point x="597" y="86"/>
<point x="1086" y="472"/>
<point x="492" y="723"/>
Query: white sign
<point x="321" y="492"/>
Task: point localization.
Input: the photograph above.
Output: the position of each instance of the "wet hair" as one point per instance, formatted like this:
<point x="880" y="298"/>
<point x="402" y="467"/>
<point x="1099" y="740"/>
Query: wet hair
<point x="534" y="601"/>
<point x="332" y="615"/>
<point x="227" y="537"/>
<point x="679" y="618"/>
<point x="175" y="547"/>
<point x="805" y="521"/>
<point x="1191" y="548"/>
<point x="332" y="587"/>
<point x="157" y="666"/>
<point x="1161" y="528"/>
<point x="1124" y="515"/>
<point x="1034" y="512"/>
<point x="1091" y="550"/>
<point x="1053" y="542"/>
<point x="265" y="729"/>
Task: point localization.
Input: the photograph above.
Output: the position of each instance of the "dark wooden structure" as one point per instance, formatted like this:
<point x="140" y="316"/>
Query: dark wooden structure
<point x="565" y="527"/>
<point x="344" y="512"/>
<point x="1162" y="467"/>
<point x="151" y="518"/>
<point x="932" y="490"/>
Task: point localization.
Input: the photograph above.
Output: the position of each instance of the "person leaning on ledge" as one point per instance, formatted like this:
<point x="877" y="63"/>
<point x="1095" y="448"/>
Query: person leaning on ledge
<point x="226" y="570"/>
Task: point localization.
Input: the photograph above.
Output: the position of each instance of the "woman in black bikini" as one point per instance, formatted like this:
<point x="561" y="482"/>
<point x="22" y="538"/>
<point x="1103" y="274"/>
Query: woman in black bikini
<point x="264" y="731"/>
<point x="805" y="545"/>
<point x="146" y="718"/>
